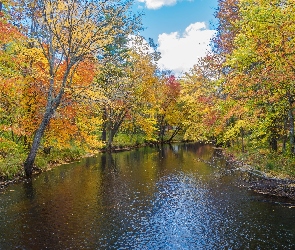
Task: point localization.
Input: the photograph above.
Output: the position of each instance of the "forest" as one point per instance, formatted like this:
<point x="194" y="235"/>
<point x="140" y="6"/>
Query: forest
<point x="76" y="77"/>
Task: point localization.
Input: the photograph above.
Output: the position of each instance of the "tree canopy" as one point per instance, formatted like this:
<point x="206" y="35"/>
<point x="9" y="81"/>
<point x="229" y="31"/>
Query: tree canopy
<point x="77" y="74"/>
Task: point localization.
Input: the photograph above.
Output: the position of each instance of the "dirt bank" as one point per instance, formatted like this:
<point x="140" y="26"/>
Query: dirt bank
<point x="259" y="181"/>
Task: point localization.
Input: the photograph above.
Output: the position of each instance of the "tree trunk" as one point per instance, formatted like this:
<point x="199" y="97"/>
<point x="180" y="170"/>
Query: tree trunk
<point x="104" y="125"/>
<point x="285" y="137"/>
<point x="161" y="128"/>
<point x="175" y="132"/>
<point x="28" y="165"/>
<point x="291" y="132"/>
<point x="110" y="139"/>
<point x="242" y="135"/>
<point x="112" y="133"/>
<point x="162" y="132"/>
<point x="274" y="144"/>
<point x="104" y="133"/>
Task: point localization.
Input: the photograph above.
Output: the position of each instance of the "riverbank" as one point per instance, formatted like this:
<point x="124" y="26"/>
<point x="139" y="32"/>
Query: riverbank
<point x="11" y="165"/>
<point x="47" y="162"/>
<point x="267" y="181"/>
<point x="273" y="183"/>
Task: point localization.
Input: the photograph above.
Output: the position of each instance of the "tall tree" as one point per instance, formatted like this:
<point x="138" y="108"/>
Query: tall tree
<point x="68" y="32"/>
<point x="168" y="94"/>
<point x="111" y="82"/>
<point x="124" y="80"/>
<point x="202" y="93"/>
<point x="11" y="86"/>
<point x="262" y="64"/>
<point x="227" y="14"/>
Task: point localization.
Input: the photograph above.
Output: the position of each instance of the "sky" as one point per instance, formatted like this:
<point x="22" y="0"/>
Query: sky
<point x="182" y="29"/>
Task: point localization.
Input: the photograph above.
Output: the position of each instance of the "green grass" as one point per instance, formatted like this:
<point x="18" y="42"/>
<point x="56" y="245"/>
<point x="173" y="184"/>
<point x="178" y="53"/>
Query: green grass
<point x="274" y="164"/>
<point x="123" y="140"/>
<point x="12" y="165"/>
<point x="57" y="156"/>
<point x="11" y="160"/>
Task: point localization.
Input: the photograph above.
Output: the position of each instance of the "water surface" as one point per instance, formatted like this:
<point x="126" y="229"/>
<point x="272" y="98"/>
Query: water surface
<point x="174" y="197"/>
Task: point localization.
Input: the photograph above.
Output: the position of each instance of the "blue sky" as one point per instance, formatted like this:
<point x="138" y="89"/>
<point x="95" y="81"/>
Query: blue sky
<point x="182" y="29"/>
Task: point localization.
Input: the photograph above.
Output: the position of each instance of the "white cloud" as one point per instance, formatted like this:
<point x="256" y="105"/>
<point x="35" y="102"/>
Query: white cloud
<point x="180" y="53"/>
<point x="156" y="4"/>
<point x="139" y="44"/>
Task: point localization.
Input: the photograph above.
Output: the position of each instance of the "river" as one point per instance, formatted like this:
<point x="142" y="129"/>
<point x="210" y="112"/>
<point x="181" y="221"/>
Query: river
<point x="171" y="197"/>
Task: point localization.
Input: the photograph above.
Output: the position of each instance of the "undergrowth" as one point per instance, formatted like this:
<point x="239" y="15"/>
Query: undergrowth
<point x="275" y="164"/>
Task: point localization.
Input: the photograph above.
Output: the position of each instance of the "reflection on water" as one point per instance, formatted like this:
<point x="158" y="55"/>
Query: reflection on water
<point x="150" y="198"/>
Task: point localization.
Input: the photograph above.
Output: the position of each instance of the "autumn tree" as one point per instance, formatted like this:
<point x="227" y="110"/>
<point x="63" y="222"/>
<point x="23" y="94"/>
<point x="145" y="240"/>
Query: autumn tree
<point x="227" y="14"/>
<point x="111" y="84"/>
<point x="123" y="82"/>
<point x="202" y="94"/>
<point x="168" y="94"/>
<point x="262" y="66"/>
<point x="67" y="32"/>
<point x="231" y="117"/>
<point x="76" y="120"/>
<point x="11" y="87"/>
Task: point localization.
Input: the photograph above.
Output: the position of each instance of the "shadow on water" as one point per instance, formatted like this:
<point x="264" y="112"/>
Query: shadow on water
<point x="29" y="189"/>
<point x="169" y="197"/>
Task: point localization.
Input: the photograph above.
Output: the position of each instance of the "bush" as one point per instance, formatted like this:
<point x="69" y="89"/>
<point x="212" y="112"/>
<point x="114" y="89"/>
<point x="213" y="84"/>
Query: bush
<point x="11" y="159"/>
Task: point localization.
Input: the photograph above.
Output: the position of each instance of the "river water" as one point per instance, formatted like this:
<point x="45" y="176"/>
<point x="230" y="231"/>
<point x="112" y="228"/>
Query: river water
<point x="174" y="197"/>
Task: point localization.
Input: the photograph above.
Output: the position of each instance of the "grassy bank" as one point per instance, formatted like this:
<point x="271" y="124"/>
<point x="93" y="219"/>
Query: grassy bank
<point x="274" y="164"/>
<point x="11" y="166"/>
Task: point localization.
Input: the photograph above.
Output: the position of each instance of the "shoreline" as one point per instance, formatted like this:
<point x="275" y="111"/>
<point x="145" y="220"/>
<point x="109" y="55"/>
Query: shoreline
<point x="250" y="178"/>
<point x="260" y="182"/>
<point x="20" y="177"/>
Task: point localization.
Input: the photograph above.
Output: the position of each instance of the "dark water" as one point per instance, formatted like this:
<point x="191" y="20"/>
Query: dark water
<point x="151" y="198"/>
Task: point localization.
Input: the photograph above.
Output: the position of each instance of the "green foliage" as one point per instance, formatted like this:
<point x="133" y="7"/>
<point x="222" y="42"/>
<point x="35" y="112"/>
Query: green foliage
<point x="123" y="140"/>
<point x="242" y="94"/>
<point x="56" y="156"/>
<point x="12" y="165"/>
<point x="275" y="164"/>
<point x="11" y="158"/>
<point x="13" y="155"/>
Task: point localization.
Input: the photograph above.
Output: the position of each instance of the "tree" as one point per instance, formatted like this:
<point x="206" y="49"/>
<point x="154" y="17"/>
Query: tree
<point x="11" y="87"/>
<point x="112" y="86"/>
<point x="123" y="82"/>
<point x="76" y="119"/>
<point x="68" y="32"/>
<point x="227" y="14"/>
<point x="202" y="94"/>
<point x="262" y="64"/>
<point x="168" y="94"/>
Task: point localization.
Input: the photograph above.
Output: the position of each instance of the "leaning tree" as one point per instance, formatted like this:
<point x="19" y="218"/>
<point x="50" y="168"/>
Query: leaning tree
<point x="68" y="32"/>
